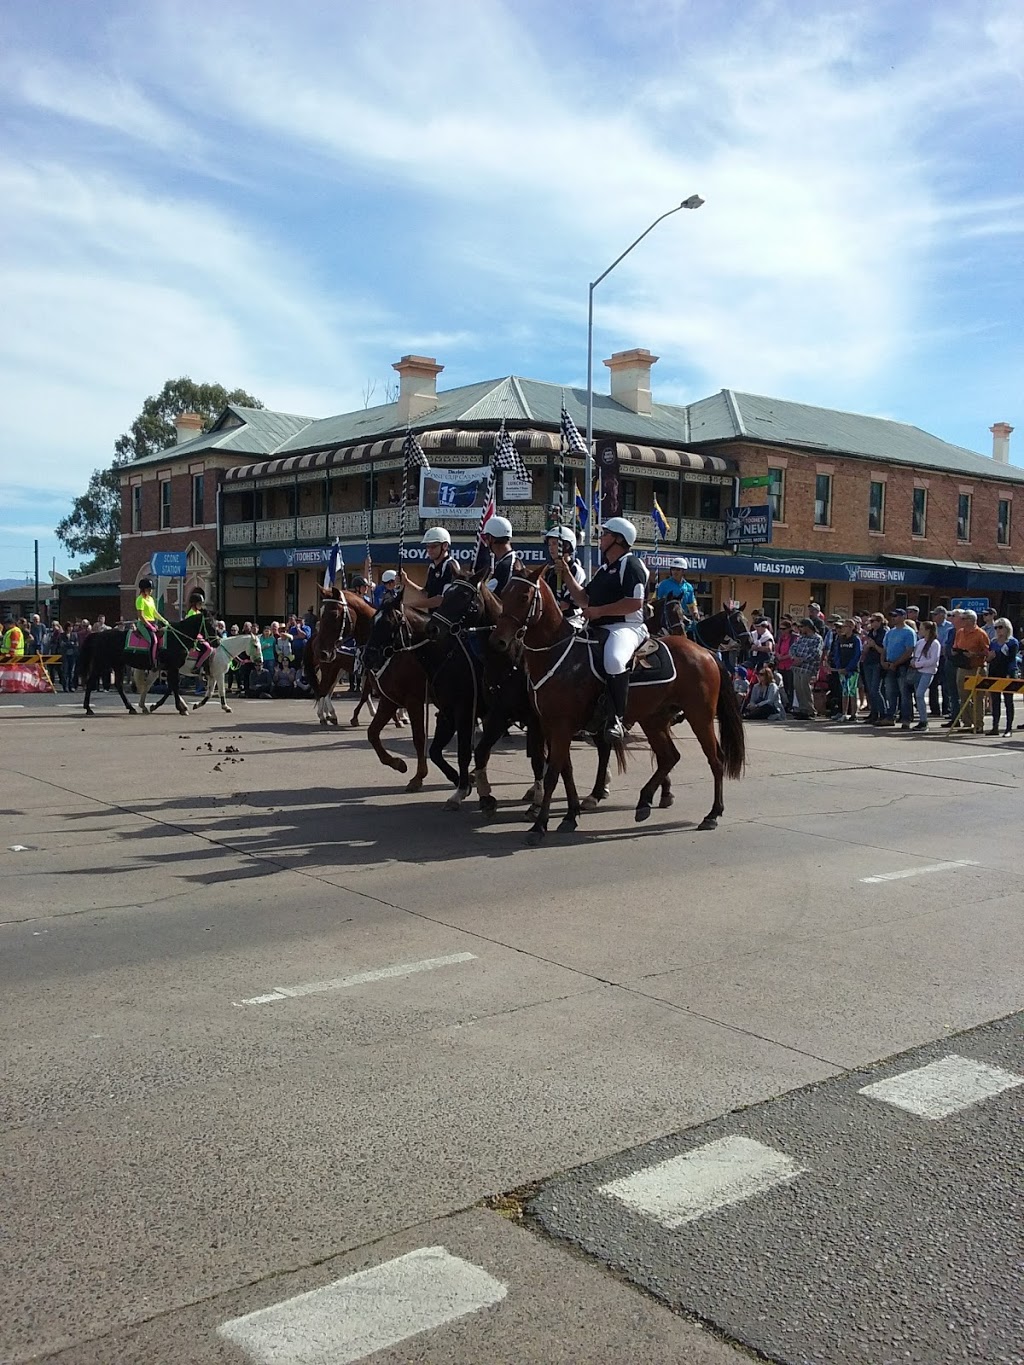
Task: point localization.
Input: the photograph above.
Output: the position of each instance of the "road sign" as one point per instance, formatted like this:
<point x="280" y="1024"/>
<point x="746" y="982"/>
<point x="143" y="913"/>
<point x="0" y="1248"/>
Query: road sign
<point x="757" y="481"/>
<point x="978" y="604"/>
<point x="169" y="564"/>
<point x="749" y="525"/>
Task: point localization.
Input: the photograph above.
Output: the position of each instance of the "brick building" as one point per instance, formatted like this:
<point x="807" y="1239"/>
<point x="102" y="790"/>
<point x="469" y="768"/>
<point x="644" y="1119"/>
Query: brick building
<point x="866" y="510"/>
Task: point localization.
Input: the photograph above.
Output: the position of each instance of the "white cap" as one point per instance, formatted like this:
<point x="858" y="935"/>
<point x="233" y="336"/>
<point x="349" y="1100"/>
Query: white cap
<point x="388" y="576"/>
<point x="563" y="533"/>
<point x="499" y="527"/>
<point x="677" y="564"/>
<point x="437" y="535"/>
<point x="619" y="526"/>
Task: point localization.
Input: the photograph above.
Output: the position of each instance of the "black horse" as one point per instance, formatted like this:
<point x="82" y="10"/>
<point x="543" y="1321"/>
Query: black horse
<point x="399" y="642"/>
<point x="106" y="651"/>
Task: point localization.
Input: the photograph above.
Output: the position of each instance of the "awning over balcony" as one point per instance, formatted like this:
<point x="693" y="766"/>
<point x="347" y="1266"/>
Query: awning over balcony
<point x="438" y="442"/>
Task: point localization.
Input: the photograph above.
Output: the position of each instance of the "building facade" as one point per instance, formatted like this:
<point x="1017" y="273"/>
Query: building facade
<point x="866" y="512"/>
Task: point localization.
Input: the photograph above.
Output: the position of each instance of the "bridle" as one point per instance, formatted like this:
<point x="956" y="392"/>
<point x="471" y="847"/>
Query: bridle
<point x="346" y="618"/>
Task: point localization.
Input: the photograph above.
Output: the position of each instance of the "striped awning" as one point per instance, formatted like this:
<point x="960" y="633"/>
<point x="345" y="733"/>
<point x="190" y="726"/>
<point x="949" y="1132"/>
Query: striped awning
<point x="527" y="443"/>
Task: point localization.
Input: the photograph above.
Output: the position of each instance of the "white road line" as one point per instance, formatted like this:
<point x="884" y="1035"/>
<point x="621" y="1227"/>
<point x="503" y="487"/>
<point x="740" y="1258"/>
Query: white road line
<point x="943" y="1087"/>
<point x="920" y="871"/>
<point x="340" y="983"/>
<point x="367" y="1312"/>
<point x="686" y="1187"/>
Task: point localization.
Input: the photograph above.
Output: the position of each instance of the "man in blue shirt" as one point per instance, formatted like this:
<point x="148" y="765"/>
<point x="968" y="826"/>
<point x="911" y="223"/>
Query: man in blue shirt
<point x="939" y="694"/>
<point x="897" y="651"/>
<point x="676" y="588"/>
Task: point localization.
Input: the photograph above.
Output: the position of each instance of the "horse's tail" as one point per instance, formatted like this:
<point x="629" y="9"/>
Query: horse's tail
<point x="619" y="750"/>
<point x="730" y="725"/>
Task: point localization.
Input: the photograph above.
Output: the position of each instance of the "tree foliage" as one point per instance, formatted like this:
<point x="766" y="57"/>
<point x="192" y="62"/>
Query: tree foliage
<point x="92" y="529"/>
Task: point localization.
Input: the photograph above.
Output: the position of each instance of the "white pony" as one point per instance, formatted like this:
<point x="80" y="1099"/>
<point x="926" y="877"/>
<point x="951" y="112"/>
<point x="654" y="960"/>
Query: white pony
<point x="226" y="652"/>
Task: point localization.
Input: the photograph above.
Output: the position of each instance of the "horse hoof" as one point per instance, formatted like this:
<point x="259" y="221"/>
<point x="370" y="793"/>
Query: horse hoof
<point x="416" y="785"/>
<point x="709" y="822"/>
<point x="226" y="710"/>
<point x="667" y="799"/>
<point x="642" y="813"/>
<point x="535" y="837"/>
<point x="489" y="808"/>
<point x="132" y="711"/>
<point x="354" y="723"/>
<point x="533" y="812"/>
<point x="567" y="825"/>
<point x="590" y="802"/>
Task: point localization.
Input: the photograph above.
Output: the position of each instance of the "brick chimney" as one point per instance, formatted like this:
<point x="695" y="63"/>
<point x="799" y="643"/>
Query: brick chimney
<point x="631" y="378"/>
<point x="1001" y="441"/>
<point x="188" y="425"/>
<point x="417" y="392"/>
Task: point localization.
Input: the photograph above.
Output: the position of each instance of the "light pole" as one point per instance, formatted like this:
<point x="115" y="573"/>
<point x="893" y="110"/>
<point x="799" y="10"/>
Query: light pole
<point x="694" y="202"/>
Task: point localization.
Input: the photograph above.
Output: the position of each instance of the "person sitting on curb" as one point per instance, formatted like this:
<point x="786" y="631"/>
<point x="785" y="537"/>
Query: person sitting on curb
<point x="764" y="701"/>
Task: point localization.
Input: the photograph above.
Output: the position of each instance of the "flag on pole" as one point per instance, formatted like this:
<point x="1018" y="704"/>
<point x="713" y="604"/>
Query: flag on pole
<point x="413" y="453"/>
<point x="481" y="556"/>
<point x="572" y="442"/>
<point x="581" y="505"/>
<point x="333" y="560"/>
<point x="507" y="457"/>
<point x="659" y="518"/>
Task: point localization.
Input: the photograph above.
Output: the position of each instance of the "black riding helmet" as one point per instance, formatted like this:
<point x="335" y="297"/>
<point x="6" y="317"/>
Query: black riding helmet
<point x="145" y="585"/>
<point x="197" y="595"/>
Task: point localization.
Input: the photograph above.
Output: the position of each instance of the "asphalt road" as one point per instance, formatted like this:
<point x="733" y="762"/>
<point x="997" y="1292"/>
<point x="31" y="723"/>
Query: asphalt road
<point x="300" y="1069"/>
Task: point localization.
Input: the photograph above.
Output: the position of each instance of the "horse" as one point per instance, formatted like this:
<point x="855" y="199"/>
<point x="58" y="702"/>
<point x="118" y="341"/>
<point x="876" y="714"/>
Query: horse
<point x="727" y="627"/>
<point x="108" y="650"/>
<point x="226" y="652"/>
<point x="408" y="666"/>
<point x="342" y="614"/>
<point x="567" y="688"/>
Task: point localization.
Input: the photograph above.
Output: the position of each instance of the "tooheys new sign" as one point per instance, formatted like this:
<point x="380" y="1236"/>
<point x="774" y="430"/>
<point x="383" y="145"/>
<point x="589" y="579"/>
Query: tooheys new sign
<point x="749" y="525"/>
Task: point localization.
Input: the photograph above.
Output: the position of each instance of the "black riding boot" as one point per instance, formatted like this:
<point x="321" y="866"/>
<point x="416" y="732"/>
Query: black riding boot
<point x="618" y="687"/>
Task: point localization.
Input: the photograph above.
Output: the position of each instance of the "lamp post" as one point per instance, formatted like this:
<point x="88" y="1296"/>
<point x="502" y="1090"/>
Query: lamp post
<point x="694" y="202"/>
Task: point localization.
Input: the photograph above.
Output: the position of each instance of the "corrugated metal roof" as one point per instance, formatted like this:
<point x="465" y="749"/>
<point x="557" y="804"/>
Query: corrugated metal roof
<point x="259" y="431"/>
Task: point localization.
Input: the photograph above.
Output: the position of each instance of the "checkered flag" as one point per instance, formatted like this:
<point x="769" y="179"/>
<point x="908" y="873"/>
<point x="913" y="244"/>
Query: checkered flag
<point x="413" y="453"/>
<point x="572" y="442"/>
<point x="507" y="457"/>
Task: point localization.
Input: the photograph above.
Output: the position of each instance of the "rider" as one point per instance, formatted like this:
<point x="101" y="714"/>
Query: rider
<point x="560" y="543"/>
<point x="676" y="587"/>
<point x="149" y="619"/>
<point x="386" y="588"/>
<point x="614" y="598"/>
<point x="197" y="607"/>
<point x="442" y="572"/>
<point x="497" y="538"/>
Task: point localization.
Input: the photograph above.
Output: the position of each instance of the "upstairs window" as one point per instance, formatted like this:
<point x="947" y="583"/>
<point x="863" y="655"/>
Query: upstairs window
<point x="919" y="516"/>
<point x="198" y="499"/>
<point x="165" y="504"/>
<point x="876" y="506"/>
<point x="963" y="517"/>
<point x="777" y="494"/>
<point x="1003" y="522"/>
<point x="137" y="507"/>
<point x="823" y="500"/>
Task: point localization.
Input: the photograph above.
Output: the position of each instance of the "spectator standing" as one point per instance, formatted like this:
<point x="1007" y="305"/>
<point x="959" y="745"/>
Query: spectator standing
<point x="871" y="666"/>
<point x="988" y="622"/>
<point x="816" y="616"/>
<point x="283" y="652"/>
<point x="762" y="644"/>
<point x="36" y="631"/>
<point x="845" y="662"/>
<point x="53" y="645"/>
<point x="805" y="653"/>
<point x="267" y="638"/>
<point x="69" y="659"/>
<point x="897" y="651"/>
<point x="1002" y="663"/>
<point x="926" y="659"/>
<point x="764" y="701"/>
<point x="938" y="693"/>
<point x="783" y="662"/>
<point x="970" y="652"/>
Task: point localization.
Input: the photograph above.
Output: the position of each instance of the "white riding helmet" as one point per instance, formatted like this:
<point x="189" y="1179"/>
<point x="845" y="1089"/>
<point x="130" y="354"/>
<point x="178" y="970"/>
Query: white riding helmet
<point x="388" y="576"/>
<point x="562" y="533"/>
<point x="619" y="526"/>
<point x="437" y="535"/>
<point x="499" y="527"/>
<point x="677" y="564"/>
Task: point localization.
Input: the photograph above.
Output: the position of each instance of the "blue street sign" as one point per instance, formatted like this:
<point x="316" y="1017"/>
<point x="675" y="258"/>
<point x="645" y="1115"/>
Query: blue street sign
<point x="749" y="525"/>
<point x="978" y="604"/>
<point x="169" y="564"/>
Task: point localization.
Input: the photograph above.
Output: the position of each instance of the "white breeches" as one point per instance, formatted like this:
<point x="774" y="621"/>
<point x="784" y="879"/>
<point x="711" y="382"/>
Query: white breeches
<point x="621" y="644"/>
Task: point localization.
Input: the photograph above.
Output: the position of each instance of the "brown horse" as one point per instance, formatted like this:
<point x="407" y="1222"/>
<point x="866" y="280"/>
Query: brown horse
<point x="567" y="689"/>
<point x="342" y="614"/>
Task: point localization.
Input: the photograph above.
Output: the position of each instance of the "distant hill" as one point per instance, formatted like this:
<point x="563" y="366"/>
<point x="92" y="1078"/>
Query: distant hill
<point x="15" y="583"/>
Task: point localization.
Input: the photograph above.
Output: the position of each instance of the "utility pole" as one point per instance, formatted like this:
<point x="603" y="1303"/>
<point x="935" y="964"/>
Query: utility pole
<point x="36" y="544"/>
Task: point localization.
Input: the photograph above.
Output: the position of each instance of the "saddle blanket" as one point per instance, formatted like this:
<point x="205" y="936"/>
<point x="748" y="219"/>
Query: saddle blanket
<point x="652" y="663"/>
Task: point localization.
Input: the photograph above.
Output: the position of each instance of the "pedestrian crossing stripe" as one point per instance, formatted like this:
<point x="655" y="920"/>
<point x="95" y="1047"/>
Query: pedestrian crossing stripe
<point x="975" y="682"/>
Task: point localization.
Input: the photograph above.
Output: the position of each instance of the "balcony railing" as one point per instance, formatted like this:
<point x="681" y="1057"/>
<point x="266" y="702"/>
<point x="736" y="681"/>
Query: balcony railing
<point x="237" y="533"/>
<point x="690" y="530"/>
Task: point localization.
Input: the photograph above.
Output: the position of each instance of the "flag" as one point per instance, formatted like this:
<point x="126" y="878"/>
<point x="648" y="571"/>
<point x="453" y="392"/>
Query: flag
<point x="581" y="505"/>
<point x="572" y="442"/>
<point x="659" y="519"/>
<point x="482" y="556"/>
<point x="333" y="560"/>
<point x="507" y="457"/>
<point x="413" y="453"/>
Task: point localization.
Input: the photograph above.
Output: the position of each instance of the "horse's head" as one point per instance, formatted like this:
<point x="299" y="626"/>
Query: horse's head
<point x="462" y="608"/>
<point x="389" y="631"/>
<point x="739" y="630"/>
<point x="333" y="623"/>
<point x="520" y="604"/>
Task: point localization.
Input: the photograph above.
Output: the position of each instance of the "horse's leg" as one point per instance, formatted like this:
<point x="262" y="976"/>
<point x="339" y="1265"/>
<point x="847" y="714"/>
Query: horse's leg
<point x="443" y="731"/>
<point x="174" y="683"/>
<point x="493" y="728"/>
<point x="559" y="743"/>
<point x="91" y="679"/>
<point x="701" y="721"/>
<point x="601" y="788"/>
<point x="364" y="699"/>
<point x="386" y="710"/>
<point x="666" y="755"/>
<point x="571" y="818"/>
<point x="119" y="682"/>
<point x="418" y="722"/>
<point x="465" y="726"/>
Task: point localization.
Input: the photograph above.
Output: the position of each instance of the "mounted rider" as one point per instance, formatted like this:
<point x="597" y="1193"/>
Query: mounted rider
<point x="560" y="543"/>
<point x="150" y="620"/>
<point x="614" y="599"/>
<point x="197" y="607"/>
<point x="676" y="588"/>
<point x="441" y="573"/>
<point x="496" y="541"/>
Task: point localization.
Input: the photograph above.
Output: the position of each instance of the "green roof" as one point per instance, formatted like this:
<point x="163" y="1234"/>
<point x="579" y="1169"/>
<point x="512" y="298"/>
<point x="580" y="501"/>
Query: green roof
<point x="237" y="431"/>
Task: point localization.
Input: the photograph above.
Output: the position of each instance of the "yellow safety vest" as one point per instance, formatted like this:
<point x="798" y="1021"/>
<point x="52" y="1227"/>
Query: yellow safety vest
<point x="14" y="642"/>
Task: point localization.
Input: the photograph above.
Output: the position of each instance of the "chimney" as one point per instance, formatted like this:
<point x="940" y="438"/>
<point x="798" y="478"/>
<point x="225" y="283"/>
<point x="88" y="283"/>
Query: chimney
<point x="188" y="425"/>
<point x="1001" y="441"/>
<point x="631" y="378"/>
<point x="417" y="392"/>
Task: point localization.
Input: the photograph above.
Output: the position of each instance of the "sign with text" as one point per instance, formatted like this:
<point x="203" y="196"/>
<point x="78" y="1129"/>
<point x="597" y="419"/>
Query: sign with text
<point x="749" y="525"/>
<point x="459" y="494"/>
<point x="169" y="564"/>
<point x="515" y="489"/>
<point x="978" y="604"/>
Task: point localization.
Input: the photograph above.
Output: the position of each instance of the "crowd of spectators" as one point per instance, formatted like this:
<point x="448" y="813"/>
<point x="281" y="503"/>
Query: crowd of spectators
<point x="877" y="669"/>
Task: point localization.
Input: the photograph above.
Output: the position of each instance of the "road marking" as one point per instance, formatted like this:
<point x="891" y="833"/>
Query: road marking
<point x="943" y="1087"/>
<point x="686" y="1187"/>
<point x="340" y="983"/>
<point x="367" y="1312"/>
<point x="920" y="871"/>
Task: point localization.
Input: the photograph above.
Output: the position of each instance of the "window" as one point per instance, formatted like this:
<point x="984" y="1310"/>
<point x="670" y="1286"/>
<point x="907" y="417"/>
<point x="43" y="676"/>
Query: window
<point x="710" y="502"/>
<point x="198" y="499"/>
<point x="137" y="507"/>
<point x="819" y="594"/>
<point x="823" y="500"/>
<point x="1003" y="522"/>
<point x="876" y="506"/>
<point x="919" y="519"/>
<point x="628" y="487"/>
<point x="963" y="517"/>
<point x="777" y="494"/>
<point x="165" y="504"/>
<point x="771" y="603"/>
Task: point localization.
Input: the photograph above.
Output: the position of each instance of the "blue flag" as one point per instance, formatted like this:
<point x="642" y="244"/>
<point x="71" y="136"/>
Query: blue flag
<point x="333" y="560"/>
<point x="581" y="506"/>
<point x="659" y="519"/>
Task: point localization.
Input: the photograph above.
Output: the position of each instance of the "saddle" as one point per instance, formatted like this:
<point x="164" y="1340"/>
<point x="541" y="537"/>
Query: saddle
<point x="137" y="643"/>
<point x="652" y="662"/>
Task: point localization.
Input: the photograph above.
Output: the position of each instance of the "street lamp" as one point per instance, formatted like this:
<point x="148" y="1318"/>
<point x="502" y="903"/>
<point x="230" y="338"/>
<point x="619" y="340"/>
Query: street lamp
<point x="694" y="202"/>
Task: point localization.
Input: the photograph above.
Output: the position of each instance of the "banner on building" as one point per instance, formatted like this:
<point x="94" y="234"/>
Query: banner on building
<point x="611" y="491"/>
<point x="454" y="494"/>
<point x="749" y="525"/>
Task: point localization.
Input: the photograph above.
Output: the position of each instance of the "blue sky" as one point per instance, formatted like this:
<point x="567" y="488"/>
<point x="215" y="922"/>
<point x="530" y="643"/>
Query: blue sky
<point x="289" y="197"/>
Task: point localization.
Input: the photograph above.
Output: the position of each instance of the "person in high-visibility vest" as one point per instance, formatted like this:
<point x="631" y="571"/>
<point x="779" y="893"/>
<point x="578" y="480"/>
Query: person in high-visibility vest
<point x="149" y="619"/>
<point x="197" y="607"/>
<point x="12" y="649"/>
